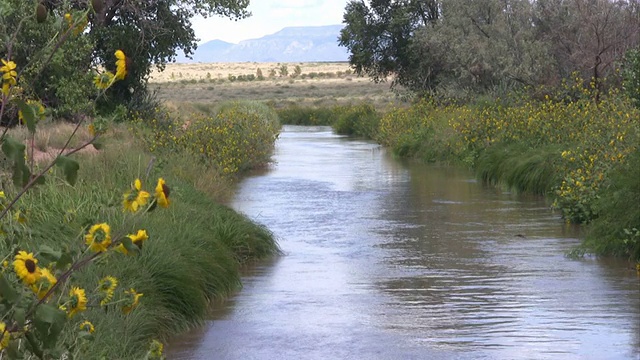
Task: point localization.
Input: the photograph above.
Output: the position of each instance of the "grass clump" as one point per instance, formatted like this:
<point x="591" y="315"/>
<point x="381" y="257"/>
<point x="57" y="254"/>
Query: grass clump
<point x="359" y="120"/>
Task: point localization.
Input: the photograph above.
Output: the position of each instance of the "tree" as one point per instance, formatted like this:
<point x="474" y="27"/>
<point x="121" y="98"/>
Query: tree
<point x="380" y="35"/>
<point x="149" y="32"/>
<point x="587" y="36"/>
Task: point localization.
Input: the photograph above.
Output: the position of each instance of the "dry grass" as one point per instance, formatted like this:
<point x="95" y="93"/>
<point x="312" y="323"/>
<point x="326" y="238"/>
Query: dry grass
<point x="332" y="84"/>
<point x="221" y="71"/>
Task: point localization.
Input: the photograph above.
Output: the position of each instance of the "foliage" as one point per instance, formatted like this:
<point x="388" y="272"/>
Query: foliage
<point x="379" y="36"/>
<point x="459" y="46"/>
<point x="617" y="230"/>
<point x="149" y="32"/>
<point x="59" y="78"/>
<point x="234" y="137"/>
<point x="298" y="115"/>
<point x="631" y="75"/>
<point x="359" y="120"/>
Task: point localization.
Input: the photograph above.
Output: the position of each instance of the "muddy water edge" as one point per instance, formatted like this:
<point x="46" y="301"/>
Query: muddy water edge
<point x="391" y="260"/>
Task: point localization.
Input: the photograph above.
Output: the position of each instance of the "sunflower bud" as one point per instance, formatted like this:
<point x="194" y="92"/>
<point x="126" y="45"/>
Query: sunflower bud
<point x="41" y="13"/>
<point x="97" y="5"/>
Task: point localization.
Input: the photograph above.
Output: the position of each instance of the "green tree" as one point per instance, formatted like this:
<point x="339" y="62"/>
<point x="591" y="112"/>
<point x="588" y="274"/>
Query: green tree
<point x="379" y="36"/>
<point x="149" y="32"/>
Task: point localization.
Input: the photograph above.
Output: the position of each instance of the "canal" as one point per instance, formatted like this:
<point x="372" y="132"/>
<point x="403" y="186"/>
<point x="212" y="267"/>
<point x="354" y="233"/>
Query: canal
<point x="390" y="260"/>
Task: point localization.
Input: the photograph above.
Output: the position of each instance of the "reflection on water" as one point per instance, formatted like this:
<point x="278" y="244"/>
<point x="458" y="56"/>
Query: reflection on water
<point x="385" y="260"/>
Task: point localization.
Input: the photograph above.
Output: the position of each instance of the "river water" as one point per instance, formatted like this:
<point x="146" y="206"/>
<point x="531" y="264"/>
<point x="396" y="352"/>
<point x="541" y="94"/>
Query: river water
<point x="389" y="260"/>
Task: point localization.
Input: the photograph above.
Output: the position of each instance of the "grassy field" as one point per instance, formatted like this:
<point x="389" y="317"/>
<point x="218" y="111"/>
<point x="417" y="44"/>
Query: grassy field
<point x="317" y="84"/>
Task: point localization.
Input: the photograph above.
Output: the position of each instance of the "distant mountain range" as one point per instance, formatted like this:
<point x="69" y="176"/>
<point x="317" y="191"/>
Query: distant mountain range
<point x="291" y="44"/>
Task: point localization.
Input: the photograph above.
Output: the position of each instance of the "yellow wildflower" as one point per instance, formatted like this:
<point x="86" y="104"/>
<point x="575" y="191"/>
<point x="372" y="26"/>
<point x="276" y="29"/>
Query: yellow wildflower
<point x="162" y="193"/>
<point x="87" y="326"/>
<point x="107" y="286"/>
<point x="104" y="80"/>
<point x="133" y="299"/>
<point x="77" y="301"/>
<point x="99" y="237"/>
<point x="121" y="65"/>
<point x="137" y="240"/>
<point x="4" y="336"/>
<point x="25" y="266"/>
<point x="135" y="198"/>
<point x="44" y="283"/>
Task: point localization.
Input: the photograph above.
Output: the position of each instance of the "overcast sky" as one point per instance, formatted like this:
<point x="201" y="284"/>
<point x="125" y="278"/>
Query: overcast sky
<point x="270" y="16"/>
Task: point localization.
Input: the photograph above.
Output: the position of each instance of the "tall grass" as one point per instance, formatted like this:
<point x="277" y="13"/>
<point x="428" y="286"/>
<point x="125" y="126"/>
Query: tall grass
<point x="193" y="254"/>
<point x="297" y="115"/>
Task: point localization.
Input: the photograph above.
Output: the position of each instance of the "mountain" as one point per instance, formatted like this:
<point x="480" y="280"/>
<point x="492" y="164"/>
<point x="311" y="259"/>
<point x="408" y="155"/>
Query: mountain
<point x="291" y="44"/>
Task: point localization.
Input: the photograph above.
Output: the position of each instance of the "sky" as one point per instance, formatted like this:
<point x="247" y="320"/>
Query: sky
<point x="270" y="16"/>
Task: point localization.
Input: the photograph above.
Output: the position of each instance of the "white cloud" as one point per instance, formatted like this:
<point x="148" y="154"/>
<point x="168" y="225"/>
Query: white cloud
<point x="269" y="17"/>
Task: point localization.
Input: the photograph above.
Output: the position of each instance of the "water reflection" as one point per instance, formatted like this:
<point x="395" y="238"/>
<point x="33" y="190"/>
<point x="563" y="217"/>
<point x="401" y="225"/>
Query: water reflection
<point x="386" y="260"/>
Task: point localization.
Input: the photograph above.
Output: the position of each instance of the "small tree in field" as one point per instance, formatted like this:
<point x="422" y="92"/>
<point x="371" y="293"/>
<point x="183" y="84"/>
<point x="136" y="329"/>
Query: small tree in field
<point x="284" y="71"/>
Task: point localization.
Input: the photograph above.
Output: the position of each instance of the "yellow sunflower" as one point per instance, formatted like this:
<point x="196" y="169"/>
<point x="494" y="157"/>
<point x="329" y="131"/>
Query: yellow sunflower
<point x="77" y="301"/>
<point x="104" y="80"/>
<point x="133" y="299"/>
<point x="26" y="267"/>
<point x="162" y="193"/>
<point x="8" y="70"/>
<point x="106" y="286"/>
<point x="136" y="198"/>
<point x="5" y="336"/>
<point x="121" y="65"/>
<point x="99" y="237"/>
<point x="87" y="326"/>
<point x="44" y="284"/>
<point x="137" y="239"/>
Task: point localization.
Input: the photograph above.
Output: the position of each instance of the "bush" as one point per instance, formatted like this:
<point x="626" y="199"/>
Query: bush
<point x="231" y="138"/>
<point x="359" y="120"/>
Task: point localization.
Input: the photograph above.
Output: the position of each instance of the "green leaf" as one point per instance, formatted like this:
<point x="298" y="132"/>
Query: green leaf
<point x="20" y="317"/>
<point x="28" y="114"/>
<point x="13" y="149"/>
<point x="97" y="145"/>
<point x="49" y="253"/>
<point x="85" y="335"/>
<point x="21" y="174"/>
<point x="130" y="246"/>
<point x="7" y="292"/>
<point x="49" y="322"/>
<point x="64" y="260"/>
<point x="69" y="167"/>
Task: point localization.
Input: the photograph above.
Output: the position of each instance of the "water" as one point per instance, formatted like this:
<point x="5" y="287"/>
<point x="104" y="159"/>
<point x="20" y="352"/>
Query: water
<point x="385" y="260"/>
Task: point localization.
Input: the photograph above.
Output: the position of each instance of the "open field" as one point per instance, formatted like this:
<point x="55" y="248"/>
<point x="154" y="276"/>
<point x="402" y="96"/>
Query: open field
<point x="318" y="84"/>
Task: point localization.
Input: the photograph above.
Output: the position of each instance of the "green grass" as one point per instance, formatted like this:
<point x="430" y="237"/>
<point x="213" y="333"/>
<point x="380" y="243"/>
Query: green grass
<point x="519" y="167"/>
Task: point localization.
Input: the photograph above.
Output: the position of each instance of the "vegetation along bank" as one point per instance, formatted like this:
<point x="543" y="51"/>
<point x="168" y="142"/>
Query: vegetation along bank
<point x="112" y="233"/>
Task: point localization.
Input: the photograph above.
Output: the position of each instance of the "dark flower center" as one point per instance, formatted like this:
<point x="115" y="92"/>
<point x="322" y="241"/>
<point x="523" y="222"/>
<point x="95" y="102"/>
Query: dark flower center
<point x="30" y="265"/>
<point x="166" y="190"/>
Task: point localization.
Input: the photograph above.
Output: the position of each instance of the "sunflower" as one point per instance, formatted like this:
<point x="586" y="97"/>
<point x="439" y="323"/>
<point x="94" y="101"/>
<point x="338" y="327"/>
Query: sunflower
<point x="135" y="198"/>
<point x="25" y="266"/>
<point x="133" y="299"/>
<point x="5" y="336"/>
<point x="87" y="326"/>
<point x="121" y="65"/>
<point x="9" y="70"/>
<point x="137" y="239"/>
<point x="162" y="193"/>
<point x="104" y="80"/>
<point x="9" y="75"/>
<point x="99" y="237"/>
<point x="77" y="301"/>
<point x="106" y="286"/>
<point x="44" y="284"/>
